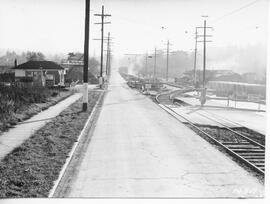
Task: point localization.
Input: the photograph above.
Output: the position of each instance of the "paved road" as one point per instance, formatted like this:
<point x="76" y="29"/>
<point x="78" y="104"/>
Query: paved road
<point x="138" y="150"/>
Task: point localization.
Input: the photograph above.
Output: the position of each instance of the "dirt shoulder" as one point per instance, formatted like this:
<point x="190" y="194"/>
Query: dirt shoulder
<point x="30" y="169"/>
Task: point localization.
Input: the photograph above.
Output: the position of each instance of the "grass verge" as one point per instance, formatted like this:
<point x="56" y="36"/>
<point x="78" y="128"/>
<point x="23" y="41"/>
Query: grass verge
<point x="30" y="169"/>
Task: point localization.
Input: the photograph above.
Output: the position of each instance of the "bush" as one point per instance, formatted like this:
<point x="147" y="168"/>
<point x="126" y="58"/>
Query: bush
<point x="6" y="107"/>
<point x="14" y="98"/>
<point x="7" y="77"/>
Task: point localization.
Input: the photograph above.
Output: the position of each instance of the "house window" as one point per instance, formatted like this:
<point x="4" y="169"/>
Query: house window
<point x="29" y="74"/>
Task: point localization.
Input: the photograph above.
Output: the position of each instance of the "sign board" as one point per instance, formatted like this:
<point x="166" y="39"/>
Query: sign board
<point x="148" y="86"/>
<point x="49" y="76"/>
<point x="49" y="83"/>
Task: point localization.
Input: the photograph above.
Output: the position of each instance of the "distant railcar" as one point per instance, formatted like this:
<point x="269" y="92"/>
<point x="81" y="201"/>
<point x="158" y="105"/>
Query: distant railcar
<point x="242" y="90"/>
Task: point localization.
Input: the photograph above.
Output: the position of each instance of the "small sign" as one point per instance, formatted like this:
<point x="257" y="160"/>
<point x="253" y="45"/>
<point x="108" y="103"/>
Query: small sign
<point x="148" y="86"/>
<point x="49" y="76"/>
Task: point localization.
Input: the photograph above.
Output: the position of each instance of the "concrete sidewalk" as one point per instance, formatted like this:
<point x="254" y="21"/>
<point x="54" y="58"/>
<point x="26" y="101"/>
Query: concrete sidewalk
<point x="139" y="150"/>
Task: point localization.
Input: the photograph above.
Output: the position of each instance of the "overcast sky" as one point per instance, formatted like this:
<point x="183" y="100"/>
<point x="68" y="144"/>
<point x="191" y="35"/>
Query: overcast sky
<point x="53" y="26"/>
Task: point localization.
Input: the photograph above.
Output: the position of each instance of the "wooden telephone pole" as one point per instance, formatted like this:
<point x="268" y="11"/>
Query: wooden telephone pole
<point x="167" y="64"/>
<point x="108" y="55"/>
<point x="86" y="54"/>
<point x="203" y="93"/>
<point x="195" y="57"/>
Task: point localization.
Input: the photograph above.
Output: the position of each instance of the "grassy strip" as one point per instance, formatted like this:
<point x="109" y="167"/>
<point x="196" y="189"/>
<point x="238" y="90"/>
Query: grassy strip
<point x="30" y="169"/>
<point x="26" y="111"/>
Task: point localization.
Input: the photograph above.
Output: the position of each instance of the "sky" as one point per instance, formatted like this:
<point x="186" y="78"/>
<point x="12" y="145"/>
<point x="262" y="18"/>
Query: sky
<point x="137" y="26"/>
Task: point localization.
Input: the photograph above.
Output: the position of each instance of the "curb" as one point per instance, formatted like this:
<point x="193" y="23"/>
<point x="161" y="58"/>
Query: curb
<point x="71" y="153"/>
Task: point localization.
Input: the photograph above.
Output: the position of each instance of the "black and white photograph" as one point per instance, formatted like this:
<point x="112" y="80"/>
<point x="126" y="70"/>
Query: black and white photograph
<point x="162" y="100"/>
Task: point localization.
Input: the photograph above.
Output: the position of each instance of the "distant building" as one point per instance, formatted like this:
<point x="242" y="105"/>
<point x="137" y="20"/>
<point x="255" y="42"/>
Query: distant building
<point x="39" y="73"/>
<point x="74" y="59"/>
<point x="222" y="72"/>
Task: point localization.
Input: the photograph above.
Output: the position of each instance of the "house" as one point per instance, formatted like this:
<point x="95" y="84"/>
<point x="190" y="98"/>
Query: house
<point x="39" y="73"/>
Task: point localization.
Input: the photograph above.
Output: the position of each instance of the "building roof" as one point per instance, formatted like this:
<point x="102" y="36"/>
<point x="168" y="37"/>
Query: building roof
<point x="39" y="65"/>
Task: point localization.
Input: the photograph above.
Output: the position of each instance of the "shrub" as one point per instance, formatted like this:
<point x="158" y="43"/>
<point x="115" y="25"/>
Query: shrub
<point x="6" y="107"/>
<point x="14" y="98"/>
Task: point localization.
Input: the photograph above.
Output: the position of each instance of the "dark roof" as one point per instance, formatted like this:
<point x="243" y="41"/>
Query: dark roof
<point x="39" y="65"/>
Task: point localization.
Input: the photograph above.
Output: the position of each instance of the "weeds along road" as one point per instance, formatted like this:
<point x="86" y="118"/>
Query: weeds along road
<point x="139" y="150"/>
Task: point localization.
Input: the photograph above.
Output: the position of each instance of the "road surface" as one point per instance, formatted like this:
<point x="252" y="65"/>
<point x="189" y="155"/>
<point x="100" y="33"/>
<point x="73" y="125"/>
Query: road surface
<point x="139" y="150"/>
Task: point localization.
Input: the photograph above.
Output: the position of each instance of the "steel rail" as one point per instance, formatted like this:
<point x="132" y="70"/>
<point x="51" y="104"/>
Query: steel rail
<point x="229" y="121"/>
<point x="227" y="149"/>
<point x="237" y="133"/>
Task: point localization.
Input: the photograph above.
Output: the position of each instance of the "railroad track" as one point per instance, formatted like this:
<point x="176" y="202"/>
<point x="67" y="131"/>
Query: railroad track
<point x="239" y="146"/>
<point x="167" y="97"/>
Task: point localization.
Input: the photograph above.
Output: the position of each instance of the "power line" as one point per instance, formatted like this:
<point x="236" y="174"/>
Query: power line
<point x="235" y="11"/>
<point x="231" y="13"/>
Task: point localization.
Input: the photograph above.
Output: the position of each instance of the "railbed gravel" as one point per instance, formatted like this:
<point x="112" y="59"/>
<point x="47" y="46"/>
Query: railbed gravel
<point x="223" y="137"/>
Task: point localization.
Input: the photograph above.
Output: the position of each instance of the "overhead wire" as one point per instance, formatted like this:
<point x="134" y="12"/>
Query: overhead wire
<point x="235" y="11"/>
<point x="155" y="26"/>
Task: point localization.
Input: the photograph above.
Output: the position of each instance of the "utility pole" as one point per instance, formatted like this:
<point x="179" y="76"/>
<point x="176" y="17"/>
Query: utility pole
<point x="109" y="61"/>
<point x="167" y="67"/>
<point x="155" y="64"/>
<point x="102" y="33"/>
<point x="204" y="52"/>
<point x="195" y="57"/>
<point x="102" y="38"/>
<point x="86" y="54"/>
<point x="203" y="93"/>
<point x="168" y="53"/>
<point x="146" y="65"/>
<point x="108" y="52"/>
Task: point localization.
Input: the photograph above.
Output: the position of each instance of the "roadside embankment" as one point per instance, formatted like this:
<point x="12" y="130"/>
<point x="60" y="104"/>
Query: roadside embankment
<point x="19" y="104"/>
<point x="31" y="169"/>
